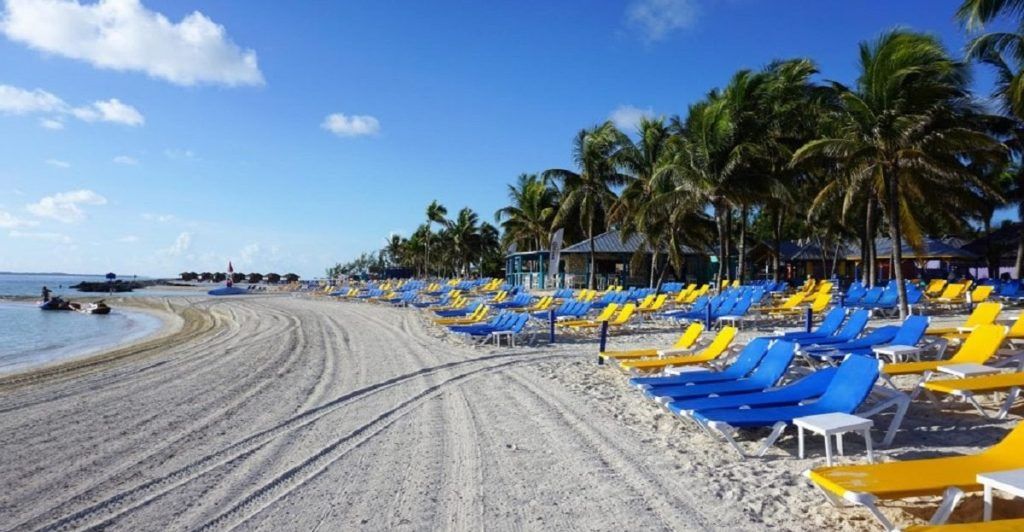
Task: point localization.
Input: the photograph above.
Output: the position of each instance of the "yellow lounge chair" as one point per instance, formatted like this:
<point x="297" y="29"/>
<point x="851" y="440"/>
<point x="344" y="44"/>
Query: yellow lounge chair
<point x="982" y="293"/>
<point x="966" y="389"/>
<point x="687" y="340"/>
<point x="623" y="317"/>
<point x="606" y="314"/>
<point x="478" y="314"/>
<point x="949" y="477"/>
<point x="951" y="293"/>
<point x="655" y="306"/>
<point x="984" y="314"/>
<point x="935" y="288"/>
<point x="718" y="347"/>
<point x="981" y="345"/>
<point x="790" y="303"/>
<point x="543" y="303"/>
<point x="820" y="302"/>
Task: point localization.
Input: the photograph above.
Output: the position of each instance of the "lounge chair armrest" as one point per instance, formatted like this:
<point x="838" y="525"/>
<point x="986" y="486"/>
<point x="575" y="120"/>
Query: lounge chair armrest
<point x="675" y="352"/>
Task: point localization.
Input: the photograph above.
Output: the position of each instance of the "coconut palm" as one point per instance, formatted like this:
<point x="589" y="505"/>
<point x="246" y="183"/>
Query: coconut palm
<point x="435" y="214"/>
<point x="900" y="135"/>
<point x="637" y="210"/>
<point x="527" y="219"/>
<point x="588" y="194"/>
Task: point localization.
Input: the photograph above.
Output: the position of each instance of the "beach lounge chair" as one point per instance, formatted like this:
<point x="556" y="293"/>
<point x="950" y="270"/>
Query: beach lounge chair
<point x="745" y="362"/>
<point x="718" y="347"/>
<point x="828" y="326"/>
<point x="606" y="314"/>
<point x="622" y="318"/>
<point x="851" y="329"/>
<point x="948" y="477"/>
<point x="984" y="314"/>
<point x="980" y="346"/>
<point x="908" y="333"/>
<point x="687" y="340"/>
<point x="846" y="392"/>
<point x="934" y="288"/>
<point x="477" y="316"/>
<point x="968" y="388"/>
<point x="806" y="388"/>
<point x="770" y="368"/>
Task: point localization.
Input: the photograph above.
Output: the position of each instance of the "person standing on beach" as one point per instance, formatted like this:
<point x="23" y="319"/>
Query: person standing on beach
<point x="46" y="294"/>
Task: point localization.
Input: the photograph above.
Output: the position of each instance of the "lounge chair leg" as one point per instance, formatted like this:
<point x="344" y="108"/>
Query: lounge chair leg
<point x="772" y="438"/>
<point x="1011" y="397"/>
<point x="950" y="499"/>
<point x="726" y="431"/>
<point x="969" y="397"/>
<point x="868" y="501"/>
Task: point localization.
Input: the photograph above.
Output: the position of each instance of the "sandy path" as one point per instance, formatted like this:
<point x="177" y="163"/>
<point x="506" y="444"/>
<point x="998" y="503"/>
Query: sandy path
<point x="281" y="412"/>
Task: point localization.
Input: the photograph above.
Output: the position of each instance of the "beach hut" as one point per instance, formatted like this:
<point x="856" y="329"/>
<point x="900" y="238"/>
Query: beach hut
<point x="613" y="259"/>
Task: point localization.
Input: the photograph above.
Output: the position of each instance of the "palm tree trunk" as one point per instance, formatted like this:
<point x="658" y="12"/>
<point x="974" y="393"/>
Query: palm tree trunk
<point x="729" y="271"/>
<point x="872" y="253"/>
<point x="720" y="219"/>
<point x="741" y="250"/>
<point x="654" y="266"/>
<point x="990" y="257"/>
<point x="777" y="244"/>
<point x="897" y="243"/>
<point x="1018" y="266"/>
<point x="592" y="281"/>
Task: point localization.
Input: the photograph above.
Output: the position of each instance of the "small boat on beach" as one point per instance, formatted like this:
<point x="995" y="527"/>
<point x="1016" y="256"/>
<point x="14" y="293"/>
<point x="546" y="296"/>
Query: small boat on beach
<point x="229" y="289"/>
<point x="98" y="308"/>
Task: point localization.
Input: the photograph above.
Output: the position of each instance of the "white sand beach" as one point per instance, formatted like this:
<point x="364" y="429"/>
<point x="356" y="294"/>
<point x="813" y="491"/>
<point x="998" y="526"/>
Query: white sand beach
<point x="292" y="413"/>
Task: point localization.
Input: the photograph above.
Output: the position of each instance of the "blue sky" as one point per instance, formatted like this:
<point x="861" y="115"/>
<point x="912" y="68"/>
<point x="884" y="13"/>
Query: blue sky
<point x="144" y="138"/>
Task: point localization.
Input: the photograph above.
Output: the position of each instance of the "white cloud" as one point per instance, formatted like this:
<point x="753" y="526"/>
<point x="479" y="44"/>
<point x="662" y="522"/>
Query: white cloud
<point x="180" y="245"/>
<point x="58" y="163"/>
<point x="66" y="206"/>
<point x="18" y="101"/>
<point x="162" y="218"/>
<point x="9" y="221"/>
<point x="51" y="123"/>
<point x="351" y="126"/>
<point x="125" y="160"/>
<point x="128" y="239"/>
<point x="124" y="35"/>
<point x="176" y="153"/>
<point x="112" y="110"/>
<point x="657" y="19"/>
<point x="48" y="237"/>
<point x="627" y="117"/>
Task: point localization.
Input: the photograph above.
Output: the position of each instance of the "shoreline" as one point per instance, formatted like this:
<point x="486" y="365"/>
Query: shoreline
<point x="171" y="323"/>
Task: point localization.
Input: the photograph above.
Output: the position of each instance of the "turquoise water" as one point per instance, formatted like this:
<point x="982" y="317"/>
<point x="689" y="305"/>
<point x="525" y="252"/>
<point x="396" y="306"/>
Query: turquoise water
<point x="32" y="337"/>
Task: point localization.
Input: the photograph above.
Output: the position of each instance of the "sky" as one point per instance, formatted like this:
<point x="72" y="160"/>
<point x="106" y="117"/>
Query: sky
<point x="154" y="137"/>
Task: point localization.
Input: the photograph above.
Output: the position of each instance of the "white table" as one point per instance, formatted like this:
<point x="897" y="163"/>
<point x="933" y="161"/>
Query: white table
<point x="498" y="335"/>
<point x="967" y="370"/>
<point x="829" y="425"/>
<point x="1011" y="482"/>
<point x="898" y="352"/>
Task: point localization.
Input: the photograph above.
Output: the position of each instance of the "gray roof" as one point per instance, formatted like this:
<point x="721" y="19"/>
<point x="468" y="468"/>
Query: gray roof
<point x="933" y="248"/>
<point x="611" y="242"/>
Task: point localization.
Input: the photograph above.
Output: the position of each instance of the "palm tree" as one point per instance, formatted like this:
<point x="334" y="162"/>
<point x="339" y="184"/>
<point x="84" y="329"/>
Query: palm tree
<point x="435" y="214"/>
<point x="394" y="249"/>
<point x="1004" y="52"/>
<point x="637" y="210"/>
<point x="703" y="158"/>
<point x="463" y="232"/>
<point x="900" y="135"/>
<point x="527" y="219"/>
<point x="588" y="192"/>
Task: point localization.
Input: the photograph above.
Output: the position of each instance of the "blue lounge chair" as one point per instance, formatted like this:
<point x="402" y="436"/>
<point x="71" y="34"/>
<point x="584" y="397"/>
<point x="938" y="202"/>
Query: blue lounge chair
<point x="850" y="330"/>
<point x="803" y="389"/>
<point x="773" y="366"/>
<point x="847" y="391"/>
<point x="745" y="362"/>
<point x="910" y="332"/>
<point x="828" y="326"/>
<point x="879" y="336"/>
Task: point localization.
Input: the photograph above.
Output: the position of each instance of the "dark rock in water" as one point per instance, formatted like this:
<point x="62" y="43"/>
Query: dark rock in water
<point x="116" y="286"/>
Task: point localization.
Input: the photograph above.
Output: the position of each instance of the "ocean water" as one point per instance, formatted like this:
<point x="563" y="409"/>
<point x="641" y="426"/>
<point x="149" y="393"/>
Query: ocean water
<point x="20" y="284"/>
<point x="32" y="337"/>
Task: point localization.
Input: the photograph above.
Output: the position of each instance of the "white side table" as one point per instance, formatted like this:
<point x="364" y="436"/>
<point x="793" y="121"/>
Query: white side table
<point x="498" y="335"/>
<point x="897" y="353"/>
<point x="967" y="370"/>
<point x="829" y="425"/>
<point x="1011" y="482"/>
